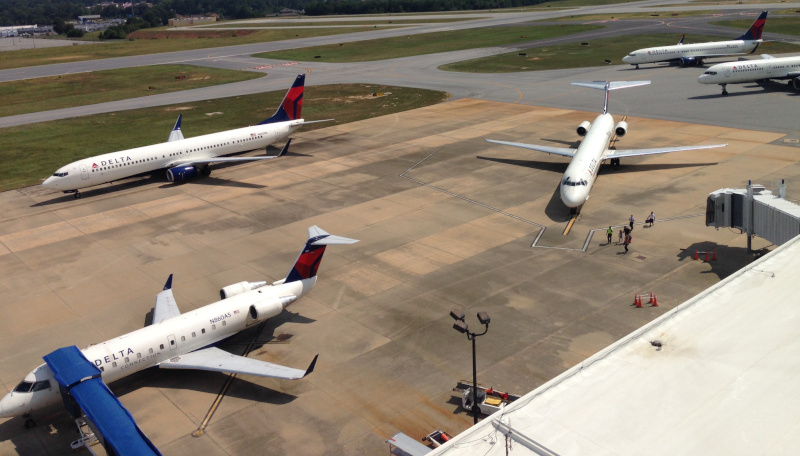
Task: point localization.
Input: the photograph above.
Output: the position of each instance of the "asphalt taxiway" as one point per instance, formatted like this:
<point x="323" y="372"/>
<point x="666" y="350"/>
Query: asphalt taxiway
<point x="432" y="240"/>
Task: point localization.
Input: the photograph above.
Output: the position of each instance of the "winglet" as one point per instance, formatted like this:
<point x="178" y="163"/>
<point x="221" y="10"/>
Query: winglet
<point x="311" y="367"/>
<point x="168" y="285"/>
<point x="175" y="134"/>
<point x="681" y="40"/>
<point x="285" y="148"/>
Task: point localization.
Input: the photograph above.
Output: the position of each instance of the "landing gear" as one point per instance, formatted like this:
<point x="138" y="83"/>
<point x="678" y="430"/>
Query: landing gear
<point x="615" y="162"/>
<point x="637" y="66"/>
<point x="573" y="211"/>
<point x="724" y="91"/>
<point x="205" y="171"/>
<point x="29" y="423"/>
<point x="77" y="195"/>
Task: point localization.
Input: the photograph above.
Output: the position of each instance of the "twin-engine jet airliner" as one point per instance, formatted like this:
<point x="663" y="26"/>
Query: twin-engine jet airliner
<point x="594" y="149"/>
<point x="185" y="341"/>
<point x="754" y="71"/>
<point x="185" y="158"/>
<point x="694" y="54"/>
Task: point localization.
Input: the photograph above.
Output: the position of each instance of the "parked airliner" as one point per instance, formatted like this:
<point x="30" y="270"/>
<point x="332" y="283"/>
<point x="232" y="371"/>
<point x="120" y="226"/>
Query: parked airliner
<point x="185" y="341"/>
<point x="754" y="71"/>
<point x="185" y="158"/>
<point x="694" y="54"/>
<point x="594" y="149"/>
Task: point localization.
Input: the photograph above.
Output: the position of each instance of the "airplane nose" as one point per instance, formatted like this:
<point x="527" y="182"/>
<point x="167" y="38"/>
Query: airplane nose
<point x="48" y="183"/>
<point x="626" y="58"/>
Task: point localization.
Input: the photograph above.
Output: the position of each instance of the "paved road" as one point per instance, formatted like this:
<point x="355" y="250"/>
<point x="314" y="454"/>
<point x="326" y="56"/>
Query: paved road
<point x="675" y="93"/>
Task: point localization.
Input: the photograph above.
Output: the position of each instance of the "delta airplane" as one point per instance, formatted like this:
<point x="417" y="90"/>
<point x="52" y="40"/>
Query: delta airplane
<point x="594" y="149"/>
<point x="694" y="54"/>
<point x="185" y="158"/>
<point x="185" y="341"/>
<point x="754" y="71"/>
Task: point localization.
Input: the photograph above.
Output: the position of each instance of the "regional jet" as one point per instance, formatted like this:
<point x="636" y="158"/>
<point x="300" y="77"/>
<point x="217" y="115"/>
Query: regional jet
<point x="186" y="341"/>
<point x="185" y="158"/>
<point x="594" y="149"/>
<point x="694" y="54"/>
<point x="754" y="71"/>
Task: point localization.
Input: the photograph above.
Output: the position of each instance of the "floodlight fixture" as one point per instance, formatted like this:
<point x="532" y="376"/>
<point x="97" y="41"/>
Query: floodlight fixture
<point x="460" y="326"/>
<point x="457" y="315"/>
<point x="484" y="318"/>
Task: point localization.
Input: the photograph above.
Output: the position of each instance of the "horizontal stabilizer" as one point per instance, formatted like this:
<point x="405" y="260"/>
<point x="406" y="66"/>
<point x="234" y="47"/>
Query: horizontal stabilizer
<point x="613" y="85"/>
<point x="329" y="239"/>
<point x="217" y="360"/>
<point x="766" y="56"/>
<point x="547" y="149"/>
<point x="306" y="122"/>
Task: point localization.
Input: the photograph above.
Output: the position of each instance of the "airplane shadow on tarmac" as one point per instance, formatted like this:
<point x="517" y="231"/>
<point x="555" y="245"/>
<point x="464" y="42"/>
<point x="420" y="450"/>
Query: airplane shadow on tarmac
<point x="55" y="428"/>
<point x="769" y="86"/>
<point x="159" y="176"/>
<point x="555" y="210"/>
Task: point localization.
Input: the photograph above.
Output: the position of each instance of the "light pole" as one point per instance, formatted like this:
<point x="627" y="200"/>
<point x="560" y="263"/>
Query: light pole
<point x="463" y="328"/>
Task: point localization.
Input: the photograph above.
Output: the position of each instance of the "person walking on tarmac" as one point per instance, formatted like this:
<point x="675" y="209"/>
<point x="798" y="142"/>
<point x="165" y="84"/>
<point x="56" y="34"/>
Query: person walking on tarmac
<point x="631" y="219"/>
<point x="609" y="233"/>
<point x="651" y="219"/>
<point x="628" y="240"/>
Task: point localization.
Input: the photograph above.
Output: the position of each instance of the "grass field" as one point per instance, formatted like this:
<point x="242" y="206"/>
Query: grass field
<point x="42" y="94"/>
<point x="427" y="43"/>
<point x="36" y="151"/>
<point x="310" y="22"/>
<point x="154" y="41"/>
<point x="574" y="55"/>
<point x="783" y="25"/>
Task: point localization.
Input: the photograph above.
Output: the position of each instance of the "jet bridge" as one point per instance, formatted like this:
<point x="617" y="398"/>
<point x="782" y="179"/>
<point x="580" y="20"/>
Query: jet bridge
<point x="755" y="211"/>
<point x="84" y="393"/>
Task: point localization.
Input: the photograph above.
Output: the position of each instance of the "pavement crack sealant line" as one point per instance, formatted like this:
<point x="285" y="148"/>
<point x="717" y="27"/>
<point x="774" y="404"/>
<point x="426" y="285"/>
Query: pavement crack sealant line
<point x="202" y="428"/>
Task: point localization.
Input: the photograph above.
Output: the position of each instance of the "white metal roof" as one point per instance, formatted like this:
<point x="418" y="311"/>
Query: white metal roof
<point x="726" y="382"/>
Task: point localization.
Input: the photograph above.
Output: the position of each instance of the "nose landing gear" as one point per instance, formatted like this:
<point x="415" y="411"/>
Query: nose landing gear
<point x="724" y="91"/>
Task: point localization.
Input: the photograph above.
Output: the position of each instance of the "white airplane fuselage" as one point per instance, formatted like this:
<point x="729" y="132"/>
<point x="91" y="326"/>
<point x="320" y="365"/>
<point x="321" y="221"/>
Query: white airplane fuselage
<point x="751" y="70"/>
<point x="154" y="344"/>
<point x="582" y="170"/>
<point x="686" y="51"/>
<point x="125" y="163"/>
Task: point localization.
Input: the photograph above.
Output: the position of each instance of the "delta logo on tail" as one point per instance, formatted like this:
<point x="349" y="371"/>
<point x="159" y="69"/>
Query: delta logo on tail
<point x="292" y="103"/>
<point x="308" y="262"/>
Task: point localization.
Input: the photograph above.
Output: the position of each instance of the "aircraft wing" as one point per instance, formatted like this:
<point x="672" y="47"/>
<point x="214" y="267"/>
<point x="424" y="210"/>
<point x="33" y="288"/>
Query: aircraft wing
<point x="205" y="161"/>
<point x="166" y="307"/>
<point x="547" y="149"/>
<point x="216" y="360"/>
<point x="660" y="150"/>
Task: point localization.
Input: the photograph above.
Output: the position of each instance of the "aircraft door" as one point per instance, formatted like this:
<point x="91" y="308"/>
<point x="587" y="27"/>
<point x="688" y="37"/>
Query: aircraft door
<point x="84" y="172"/>
<point x="172" y="343"/>
<point x="727" y="72"/>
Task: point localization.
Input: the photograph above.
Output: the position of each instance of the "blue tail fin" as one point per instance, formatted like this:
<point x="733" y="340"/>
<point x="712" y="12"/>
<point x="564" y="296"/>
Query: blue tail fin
<point x="291" y="105"/>
<point x="309" y="259"/>
<point x="755" y="30"/>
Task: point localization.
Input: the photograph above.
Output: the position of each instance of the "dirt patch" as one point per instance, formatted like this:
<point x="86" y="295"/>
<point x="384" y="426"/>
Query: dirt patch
<point x="179" y="108"/>
<point x="187" y="34"/>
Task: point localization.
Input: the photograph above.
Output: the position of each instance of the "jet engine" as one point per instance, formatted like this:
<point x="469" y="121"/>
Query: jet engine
<point x="796" y="84"/>
<point x="239" y="288"/>
<point x="268" y="308"/>
<point x="687" y="61"/>
<point x="181" y="173"/>
<point x="621" y="128"/>
<point x="584" y="127"/>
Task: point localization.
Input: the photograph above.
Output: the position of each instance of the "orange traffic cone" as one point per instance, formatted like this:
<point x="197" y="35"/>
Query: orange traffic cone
<point x="714" y="255"/>
<point x="653" y="300"/>
<point x="695" y="255"/>
<point x="706" y="260"/>
<point x="637" y="300"/>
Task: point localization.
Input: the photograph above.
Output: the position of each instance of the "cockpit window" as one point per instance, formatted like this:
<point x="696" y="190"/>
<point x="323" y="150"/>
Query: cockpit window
<point x="571" y="183"/>
<point x="24" y="387"/>
<point x="60" y="174"/>
<point x="43" y="385"/>
<point x="631" y="54"/>
<point x="710" y="72"/>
